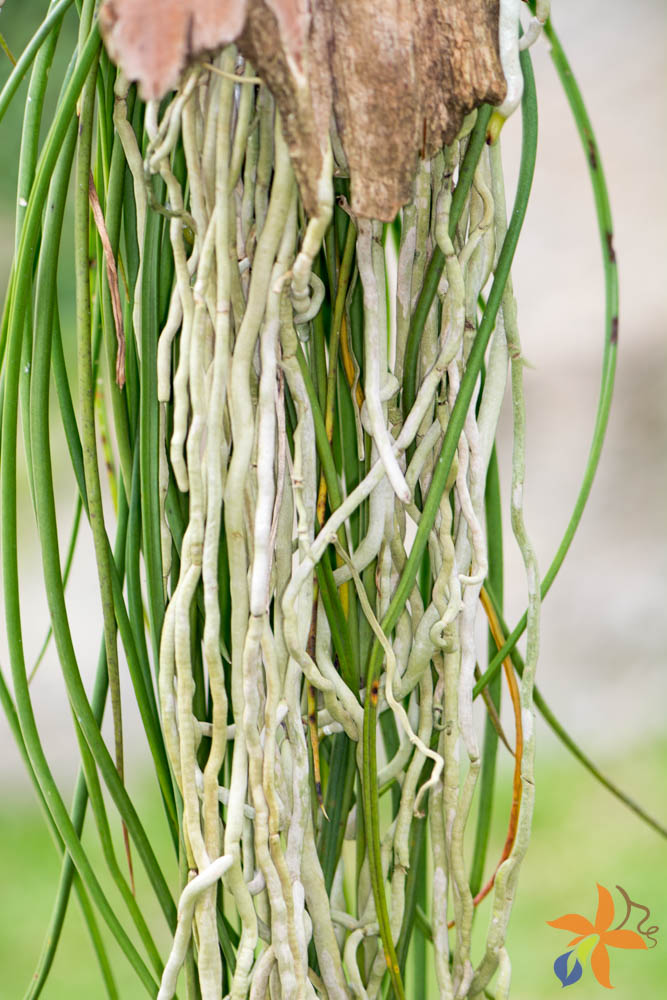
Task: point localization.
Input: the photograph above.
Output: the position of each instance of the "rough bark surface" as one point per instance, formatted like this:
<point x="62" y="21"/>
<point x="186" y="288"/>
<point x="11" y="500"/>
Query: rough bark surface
<point x="457" y="64"/>
<point x="376" y="101"/>
<point x="396" y="76"/>
<point x="300" y="81"/>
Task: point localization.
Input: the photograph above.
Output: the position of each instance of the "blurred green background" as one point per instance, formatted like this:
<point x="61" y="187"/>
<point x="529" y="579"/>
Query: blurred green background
<point x="580" y="836"/>
<point x="603" y="660"/>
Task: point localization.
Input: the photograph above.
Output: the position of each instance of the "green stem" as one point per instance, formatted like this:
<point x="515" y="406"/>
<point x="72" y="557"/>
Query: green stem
<point x="68" y="872"/>
<point x="149" y="431"/>
<point x="339" y="312"/>
<point x="494" y="528"/>
<point x="330" y="597"/>
<point x="50" y="23"/>
<point x="113" y="214"/>
<point x="19" y="305"/>
<point x="324" y="452"/>
<point x="132" y="638"/>
<point x="606" y="230"/>
<point x="67" y="567"/>
<point x="340" y="791"/>
<point x="32" y="120"/>
<point x="87" y="402"/>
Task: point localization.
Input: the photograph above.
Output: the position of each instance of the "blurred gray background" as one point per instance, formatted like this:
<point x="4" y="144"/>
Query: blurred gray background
<point x="604" y="638"/>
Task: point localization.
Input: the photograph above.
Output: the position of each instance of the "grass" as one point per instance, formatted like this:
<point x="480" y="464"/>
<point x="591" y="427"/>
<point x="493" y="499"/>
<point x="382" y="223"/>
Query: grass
<point x="581" y="836"/>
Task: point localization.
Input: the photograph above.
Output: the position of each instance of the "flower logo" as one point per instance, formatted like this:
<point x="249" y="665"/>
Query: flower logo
<point x="595" y="938"/>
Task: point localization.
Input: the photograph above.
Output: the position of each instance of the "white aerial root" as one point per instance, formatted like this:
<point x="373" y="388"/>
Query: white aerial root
<point x="186" y="905"/>
<point x="535" y="25"/>
<point x="396" y="707"/>
<point x="312" y="241"/>
<point x="507" y="875"/>
<point x="508" y="37"/>
<point x="235" y="358"/>
<point x="375" y="351"/>
<point x="510" y="44"/>
<point x="261" y="569"/>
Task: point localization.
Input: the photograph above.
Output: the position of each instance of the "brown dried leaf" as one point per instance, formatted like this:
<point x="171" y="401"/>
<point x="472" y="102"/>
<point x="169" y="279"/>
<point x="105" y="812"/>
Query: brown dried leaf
<point x="152" y="40"/>
<point x="112" y="278"/>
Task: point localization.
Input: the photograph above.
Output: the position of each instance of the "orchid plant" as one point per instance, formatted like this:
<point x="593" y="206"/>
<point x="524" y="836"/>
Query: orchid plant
<point x="293" y="276"/>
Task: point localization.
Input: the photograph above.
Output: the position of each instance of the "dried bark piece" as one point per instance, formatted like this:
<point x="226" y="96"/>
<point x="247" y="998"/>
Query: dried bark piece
<point x="376" y="101"/>
<point x="398" y="76"/>
<point x="456" y="44"/>
<point x="405" y="75"/>
<point x="293" y="17"/>
<point x="152" y="40"/>
<point x="299" y="77"/>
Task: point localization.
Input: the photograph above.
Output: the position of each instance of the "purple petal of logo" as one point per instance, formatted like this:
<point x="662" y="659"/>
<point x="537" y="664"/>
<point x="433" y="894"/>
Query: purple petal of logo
<point x="560" y="968"/>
